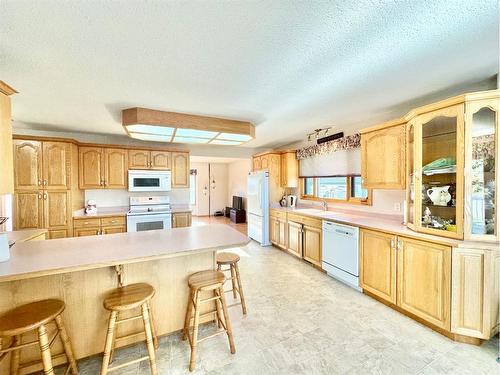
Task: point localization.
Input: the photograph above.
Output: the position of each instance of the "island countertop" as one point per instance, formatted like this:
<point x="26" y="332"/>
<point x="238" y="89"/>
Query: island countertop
<point x="41" y="258"/>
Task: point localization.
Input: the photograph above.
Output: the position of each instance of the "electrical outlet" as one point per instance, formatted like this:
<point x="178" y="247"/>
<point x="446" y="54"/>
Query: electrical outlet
<point x="397" y="207"/>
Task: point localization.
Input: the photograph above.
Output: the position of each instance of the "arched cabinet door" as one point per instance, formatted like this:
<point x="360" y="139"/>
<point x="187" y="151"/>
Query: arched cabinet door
<point x="482" y="162"/>
<point x="116" y="168"/>
<point x="27" y="165"/>
<point x="91" y="169"/>
<point x="180" y="169"/>
<point x="56" y="165"/>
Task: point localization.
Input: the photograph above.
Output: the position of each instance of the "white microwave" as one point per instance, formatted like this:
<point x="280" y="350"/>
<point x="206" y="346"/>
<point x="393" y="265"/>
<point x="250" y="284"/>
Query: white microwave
<point x="139" y="180"/>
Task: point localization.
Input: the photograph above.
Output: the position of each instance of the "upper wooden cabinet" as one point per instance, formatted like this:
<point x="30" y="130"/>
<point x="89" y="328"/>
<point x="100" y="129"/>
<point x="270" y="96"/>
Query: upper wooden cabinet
<point x="56" y="165"/>
<point x="27" y="165"/>
<point x="102" y="168"/>
<point x="180" y="169"/>
<point x="289" y="170"/>
<point x="383" y="156"/>
<point x="143" y="159"/>
<point x="6" y="160"/>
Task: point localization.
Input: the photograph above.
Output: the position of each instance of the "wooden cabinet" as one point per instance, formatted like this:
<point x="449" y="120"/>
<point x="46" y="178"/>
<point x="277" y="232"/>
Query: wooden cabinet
<point x="294" y="243"/>
<point x="378" y="264"/>
<point x="102" y="168"/>
<point x="256" y="163"/>
<point x="115" y="168"/>
<point x="181" y="219"/>
<point x="289" y="170"/>
<point x="412" y="274"/>
<point x="283" y="234"/>
<point x="475" y="292"/>
<point x="57" y="209"/>
<point x="143" y="159"/>
<point x="274" y="230"/>
<point x="28" y="210"/>
<point x="180" y="170"/>
<point x="99" y="226"/>
<point x="278" y="228"/>
<point x="27" y="165"/>
<point x="383" y="157"/>
<point x="6" y="157"/>
<point x="312" y="244"/>
<point x="56" y="165"/>
<point x="424" y="279"/>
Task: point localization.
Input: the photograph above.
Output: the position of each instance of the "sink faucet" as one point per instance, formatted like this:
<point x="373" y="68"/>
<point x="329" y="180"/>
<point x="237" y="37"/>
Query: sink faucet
<point x="324" y="204"/>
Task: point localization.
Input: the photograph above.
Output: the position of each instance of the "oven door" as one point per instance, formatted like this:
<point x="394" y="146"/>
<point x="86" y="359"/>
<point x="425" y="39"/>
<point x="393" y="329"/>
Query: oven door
<point x="149" y="181"/>
<point x="139" y="223"/>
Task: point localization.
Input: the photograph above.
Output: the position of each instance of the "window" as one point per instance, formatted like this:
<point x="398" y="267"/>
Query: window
<point x="192" y="187"/>
<point x="335" y="188"/>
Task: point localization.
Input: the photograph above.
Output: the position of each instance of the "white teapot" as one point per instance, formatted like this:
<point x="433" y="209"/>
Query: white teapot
<point x="439" y="195"/>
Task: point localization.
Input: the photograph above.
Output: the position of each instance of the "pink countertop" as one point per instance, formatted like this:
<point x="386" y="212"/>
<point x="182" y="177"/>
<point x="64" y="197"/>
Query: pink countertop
<point x="40" y="258"/>
<point x="385" y="223"/>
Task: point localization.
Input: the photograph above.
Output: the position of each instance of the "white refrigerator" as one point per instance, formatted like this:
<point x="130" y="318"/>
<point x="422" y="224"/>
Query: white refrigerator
<point x="258" y="207"/>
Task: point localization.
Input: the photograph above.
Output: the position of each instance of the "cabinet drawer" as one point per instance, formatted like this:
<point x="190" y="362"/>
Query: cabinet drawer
<point x="277" y="214"/>
<point x="306" y="220"/>
<point x="85" y="223"/>
<point x="115" y="220"/>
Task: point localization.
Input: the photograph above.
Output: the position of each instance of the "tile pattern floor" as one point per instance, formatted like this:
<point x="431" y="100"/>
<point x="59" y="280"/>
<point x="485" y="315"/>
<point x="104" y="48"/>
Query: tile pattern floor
<point x="300" y="321"/>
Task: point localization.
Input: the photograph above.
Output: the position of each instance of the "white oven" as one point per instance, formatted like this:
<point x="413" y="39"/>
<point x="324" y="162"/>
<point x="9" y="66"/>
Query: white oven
<point x="149" y="221"/>
<point x="139" y="180"/>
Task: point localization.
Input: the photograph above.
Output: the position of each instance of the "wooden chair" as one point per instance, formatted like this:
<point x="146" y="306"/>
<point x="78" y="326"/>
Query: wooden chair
<point x="127" y="298"/>
<point x="231" y="260"/>
<point x="206" y="281"/>
<point x="30" y="317"/>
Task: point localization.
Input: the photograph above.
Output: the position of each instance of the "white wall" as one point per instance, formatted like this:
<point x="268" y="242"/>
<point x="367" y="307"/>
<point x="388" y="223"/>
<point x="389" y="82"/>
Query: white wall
<point x="237" y="174"/>
<point x="202" y="188"/>
<point x="120" y="198"/>
<point x="206" y="191"/>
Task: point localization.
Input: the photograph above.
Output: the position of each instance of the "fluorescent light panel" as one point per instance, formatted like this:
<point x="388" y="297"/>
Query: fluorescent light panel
<point x="189" y="140"/>
<point x="195" y="133"/>
<point x="150" y="129"/>
<point x="151" y="137"/>
<point x="234" y="137"/>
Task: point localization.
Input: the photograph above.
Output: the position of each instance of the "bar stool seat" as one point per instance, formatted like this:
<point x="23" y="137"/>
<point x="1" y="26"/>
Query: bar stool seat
<point x="128" y="297"/>
<point x="35" y="316"/>
<point x="231" y="260"/>
<point x="28" y="317"/>
<point x="123" y="299"/>
<point x="206" y="280"/>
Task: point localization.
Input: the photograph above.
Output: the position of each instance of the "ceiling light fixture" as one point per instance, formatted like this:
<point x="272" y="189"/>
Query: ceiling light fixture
<point x="317" y="133"/>
<point x="160" y="126"/>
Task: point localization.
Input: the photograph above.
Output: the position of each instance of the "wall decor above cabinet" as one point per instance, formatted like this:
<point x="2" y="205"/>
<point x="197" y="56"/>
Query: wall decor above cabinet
<point x="161" y="126"/>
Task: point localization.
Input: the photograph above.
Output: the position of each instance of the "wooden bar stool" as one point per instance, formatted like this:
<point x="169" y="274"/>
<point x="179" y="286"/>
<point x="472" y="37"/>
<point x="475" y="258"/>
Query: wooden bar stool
<point x="231" y="260"/>
<point x="30" y="317"/>
<point x="206" y="281"/>
<point x="124" y="299"/>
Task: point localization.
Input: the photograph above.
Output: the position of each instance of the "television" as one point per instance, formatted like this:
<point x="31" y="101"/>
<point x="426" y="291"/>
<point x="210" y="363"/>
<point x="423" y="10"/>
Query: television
<point x="237" y="202"/>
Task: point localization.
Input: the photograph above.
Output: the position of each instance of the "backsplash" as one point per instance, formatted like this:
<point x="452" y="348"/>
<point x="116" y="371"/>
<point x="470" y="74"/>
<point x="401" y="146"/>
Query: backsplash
<point x="119" y="198"/>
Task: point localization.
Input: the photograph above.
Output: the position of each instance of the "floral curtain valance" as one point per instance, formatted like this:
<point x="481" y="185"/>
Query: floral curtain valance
<point x="346" y="143"/>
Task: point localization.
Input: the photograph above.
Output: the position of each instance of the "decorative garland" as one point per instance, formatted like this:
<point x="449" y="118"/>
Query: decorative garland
<point x="346" y="143"/>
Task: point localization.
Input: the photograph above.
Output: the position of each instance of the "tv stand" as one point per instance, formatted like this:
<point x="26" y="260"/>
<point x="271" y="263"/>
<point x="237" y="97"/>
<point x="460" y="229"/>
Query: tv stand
<point x="238" y="216"/>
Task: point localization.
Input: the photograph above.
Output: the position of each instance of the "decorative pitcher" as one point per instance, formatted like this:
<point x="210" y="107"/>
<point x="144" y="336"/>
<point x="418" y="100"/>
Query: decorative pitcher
<point x="439" y="195"/>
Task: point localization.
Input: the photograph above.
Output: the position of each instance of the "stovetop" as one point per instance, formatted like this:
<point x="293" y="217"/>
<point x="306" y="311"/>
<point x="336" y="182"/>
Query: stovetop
<point x="149" y="205"/>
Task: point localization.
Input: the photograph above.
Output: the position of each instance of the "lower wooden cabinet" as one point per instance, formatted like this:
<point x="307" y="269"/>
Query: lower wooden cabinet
<point x="99" y="226"/>
<point x="378" y="264"/>
<point x="412" y="274"/>
<point x="312" y="244"/>
<point x="274" y="230"/>
<point x="294" y="243"/>
<point x="181" y="219"/>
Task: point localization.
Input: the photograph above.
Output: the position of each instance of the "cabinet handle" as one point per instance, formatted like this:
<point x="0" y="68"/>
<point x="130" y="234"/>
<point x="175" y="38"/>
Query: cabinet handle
<point x="39" y="195"/>
<point x="44" y="182"/>
<point x="392" y="243"/>
<point x="113" y="221"/>
<point x="39" y="182"/>
<point x="45" y="196"/>
<point x="400" y="245"/>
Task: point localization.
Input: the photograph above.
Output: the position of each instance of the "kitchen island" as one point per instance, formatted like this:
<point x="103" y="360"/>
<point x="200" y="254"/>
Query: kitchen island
<point x="80" y="271"/>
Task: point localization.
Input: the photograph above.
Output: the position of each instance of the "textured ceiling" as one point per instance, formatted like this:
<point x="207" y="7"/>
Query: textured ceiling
<point x="287" y="66"/>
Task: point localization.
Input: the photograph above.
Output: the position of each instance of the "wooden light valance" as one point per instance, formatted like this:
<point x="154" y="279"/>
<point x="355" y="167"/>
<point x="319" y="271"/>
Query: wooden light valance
<point x="154" y="125"/>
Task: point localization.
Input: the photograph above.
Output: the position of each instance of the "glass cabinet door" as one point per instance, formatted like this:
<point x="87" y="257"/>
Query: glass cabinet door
<point x="482" y="158"/>
<point x="410" y="174"/>
<point x="439" y="159"/>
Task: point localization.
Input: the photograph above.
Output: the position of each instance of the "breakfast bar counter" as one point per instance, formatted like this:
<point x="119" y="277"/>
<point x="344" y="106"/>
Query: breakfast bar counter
<point x="80" y="271"/>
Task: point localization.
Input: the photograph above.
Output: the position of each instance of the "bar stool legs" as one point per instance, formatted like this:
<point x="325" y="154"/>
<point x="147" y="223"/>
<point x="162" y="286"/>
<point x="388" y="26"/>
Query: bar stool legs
<point x="231" y="260"/>
<point x="206" y="281"/>
<point x="149" y="337"/>
<point x="43" y="339"/>
<point x="108" y="346"/>
<point x="66" y="344"/>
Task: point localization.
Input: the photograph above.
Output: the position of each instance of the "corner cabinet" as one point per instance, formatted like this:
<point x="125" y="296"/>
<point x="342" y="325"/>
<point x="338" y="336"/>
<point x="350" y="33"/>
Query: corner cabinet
<point x="383" y="156"/>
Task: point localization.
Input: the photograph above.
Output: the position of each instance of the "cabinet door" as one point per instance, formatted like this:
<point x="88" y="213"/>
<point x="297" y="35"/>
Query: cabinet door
<point x="274" y="230"/>
<point x="59" y="233"/>
<point x="138" y="159"/>
<point x="294" y="239"/>
<point x="27" y="165"/>
<point x="56" y="165"/>
<point x="28" y="210"/>
<point x="312" y="244"/>
<point x="378" y="264"/>
<point x="161" y="160"/>
<point x="57" y="209"/>
<point x="257" y="165"/>
<point x="113" y="229"/>
<point x="424" y="280"/>
<point x="83" y="232"/>
<point x="91" y="171"/>
<point x="383" y="158"/>
<point x="264" y="162"/>
<point x="289" y="170"/>
<point x="115" y="168"/>
<point x="283" y="235"/>
<point x="180" y="169"/>
<point x="182" y="219"/>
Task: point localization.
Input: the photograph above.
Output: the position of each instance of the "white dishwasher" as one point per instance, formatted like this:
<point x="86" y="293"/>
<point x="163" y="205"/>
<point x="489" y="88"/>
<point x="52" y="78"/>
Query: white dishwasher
<point x="341" y="253"/>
